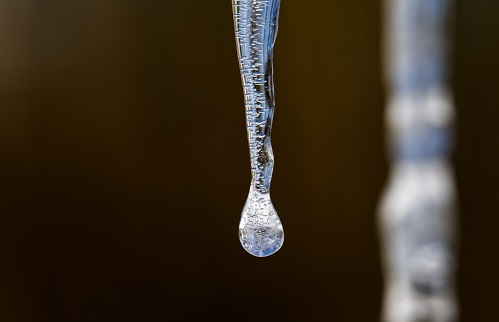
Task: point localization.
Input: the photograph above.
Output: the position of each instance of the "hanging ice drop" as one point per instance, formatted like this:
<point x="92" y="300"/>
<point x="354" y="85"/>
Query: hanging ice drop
<point x="255" y="23"/>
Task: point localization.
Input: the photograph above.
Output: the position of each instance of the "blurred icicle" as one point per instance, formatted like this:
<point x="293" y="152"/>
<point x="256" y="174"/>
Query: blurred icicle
<point x="417" y="213"/>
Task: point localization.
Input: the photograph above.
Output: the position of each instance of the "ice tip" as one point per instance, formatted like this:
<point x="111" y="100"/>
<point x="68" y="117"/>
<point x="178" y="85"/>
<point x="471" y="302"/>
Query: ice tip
<point x="262" y="241"/>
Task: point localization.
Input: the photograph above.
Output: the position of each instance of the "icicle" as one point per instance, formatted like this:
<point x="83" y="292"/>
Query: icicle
<point x="255" y="22"/>
<point x="418" y="209"/>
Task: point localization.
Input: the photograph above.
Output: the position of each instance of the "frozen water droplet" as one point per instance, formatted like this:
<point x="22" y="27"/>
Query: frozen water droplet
<point x="260" y="229"/>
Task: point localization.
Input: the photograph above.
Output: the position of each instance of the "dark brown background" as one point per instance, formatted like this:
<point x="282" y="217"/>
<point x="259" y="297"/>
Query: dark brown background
<point x="124" y="164"/>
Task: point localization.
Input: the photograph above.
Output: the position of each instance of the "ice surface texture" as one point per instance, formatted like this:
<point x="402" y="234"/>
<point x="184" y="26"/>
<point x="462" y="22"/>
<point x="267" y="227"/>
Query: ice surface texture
<point x="255" y="23"/>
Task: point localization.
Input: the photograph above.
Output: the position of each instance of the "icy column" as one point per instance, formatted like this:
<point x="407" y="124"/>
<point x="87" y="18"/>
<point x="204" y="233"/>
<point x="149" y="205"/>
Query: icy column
<point x="417" y="212"/>
<point x="255" y="23"/>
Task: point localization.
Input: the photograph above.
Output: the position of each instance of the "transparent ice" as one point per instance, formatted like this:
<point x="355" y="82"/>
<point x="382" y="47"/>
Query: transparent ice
<point x="255" y="24"/>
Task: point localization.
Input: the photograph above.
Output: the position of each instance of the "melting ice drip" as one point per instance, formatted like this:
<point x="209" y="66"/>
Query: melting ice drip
<point x="255" y="23"/>
<point x="418" y="209"/>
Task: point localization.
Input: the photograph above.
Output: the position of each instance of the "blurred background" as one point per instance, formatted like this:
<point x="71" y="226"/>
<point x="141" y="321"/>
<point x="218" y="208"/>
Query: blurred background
<point x="124" y="164"/>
